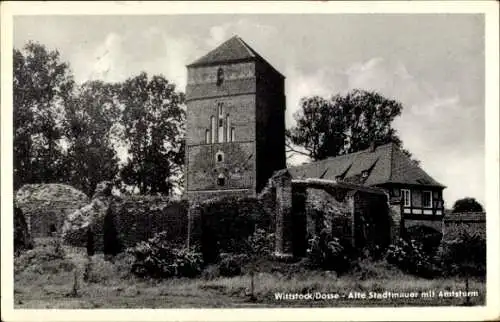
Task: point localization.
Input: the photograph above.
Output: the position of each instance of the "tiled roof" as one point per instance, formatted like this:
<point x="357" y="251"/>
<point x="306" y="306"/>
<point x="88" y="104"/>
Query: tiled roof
<point x="232" y="50"/>
<point x="385" y="164"/>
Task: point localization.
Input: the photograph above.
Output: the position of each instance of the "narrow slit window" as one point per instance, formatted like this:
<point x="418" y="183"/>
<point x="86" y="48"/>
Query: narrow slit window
<point x="213" y="128"/>
<point x="228" y="128"/>
<point x="220" y="108"/>
<point x="221" y="130"/>
<point x="233" y="135"/>
<point x="207" y="136"/>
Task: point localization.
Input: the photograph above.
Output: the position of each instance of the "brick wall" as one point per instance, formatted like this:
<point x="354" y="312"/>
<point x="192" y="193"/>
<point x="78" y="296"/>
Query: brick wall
<point x="42" y="216"/>
<point x="373" y="213"/>
<point x="435" y="224"/>
<point x="473" y="223"/>
<point x="139" y="218"/>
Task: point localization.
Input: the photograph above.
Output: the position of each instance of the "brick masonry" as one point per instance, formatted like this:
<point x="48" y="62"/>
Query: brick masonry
<point x="252" y="100"/>
<point x="472" y="223"/>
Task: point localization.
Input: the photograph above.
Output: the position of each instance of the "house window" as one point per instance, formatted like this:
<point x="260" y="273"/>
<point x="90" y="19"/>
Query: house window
<point x="427" y="199"/>
<point x="221" y="180"/>
<point x="406" y="196"/>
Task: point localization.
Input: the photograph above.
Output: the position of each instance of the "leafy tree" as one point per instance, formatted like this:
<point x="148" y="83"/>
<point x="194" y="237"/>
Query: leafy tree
<point x="153" y="121"/>
<point x="91" y="129"/>
<point x="467" y="204"/>
<point x="42" y="85"/>
<point x="343" y="124"/>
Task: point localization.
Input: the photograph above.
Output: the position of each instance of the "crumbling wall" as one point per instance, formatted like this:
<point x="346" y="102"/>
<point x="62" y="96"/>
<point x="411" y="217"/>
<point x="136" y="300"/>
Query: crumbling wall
<point x="134" y="218"/>
<point x="45" y="206"/>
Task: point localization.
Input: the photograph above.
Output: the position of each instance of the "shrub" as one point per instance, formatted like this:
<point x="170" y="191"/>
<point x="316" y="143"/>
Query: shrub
<point x="465" y="255"/>
<point x="261" y="243"/>
<point x="410" y="257"/>
<point x="158" y="258"/>
<point x="429" y="238"/>
<point x="230" y="266"/>
<point x="328" y="253"/>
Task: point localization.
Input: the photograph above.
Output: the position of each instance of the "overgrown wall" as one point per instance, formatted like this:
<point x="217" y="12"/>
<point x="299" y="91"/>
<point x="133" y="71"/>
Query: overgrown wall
<point x="472" y="223"/>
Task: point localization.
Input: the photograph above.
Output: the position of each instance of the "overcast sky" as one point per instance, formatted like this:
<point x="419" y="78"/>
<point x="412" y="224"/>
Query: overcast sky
<point x="433" y="64"/>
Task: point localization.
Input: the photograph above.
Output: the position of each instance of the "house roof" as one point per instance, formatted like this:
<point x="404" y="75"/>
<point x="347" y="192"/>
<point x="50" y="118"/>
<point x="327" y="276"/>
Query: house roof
<point x="232" y="50"/>
<point x="385" y="164"/>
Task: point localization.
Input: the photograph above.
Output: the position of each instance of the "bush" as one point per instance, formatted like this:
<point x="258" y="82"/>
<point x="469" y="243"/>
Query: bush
<point x="429" y="238"/>
<point x="410" y="257"/>
<point x="47" y="257"/>
<point x="158" y="258"/>
<point x="261" y="243"/>
<point x="230" y="266"/>
<point x="328" y="253"/>
<point x="465" y="255"/>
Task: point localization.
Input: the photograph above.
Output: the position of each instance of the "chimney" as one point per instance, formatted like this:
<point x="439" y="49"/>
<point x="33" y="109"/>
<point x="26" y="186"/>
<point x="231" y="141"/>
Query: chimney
<point x="372" y="146"/>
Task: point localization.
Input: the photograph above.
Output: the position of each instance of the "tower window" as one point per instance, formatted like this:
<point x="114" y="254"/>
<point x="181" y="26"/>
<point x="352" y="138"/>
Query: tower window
<point x="221" y="131"/>
<point x="233" y="135"/>
<point x="207" y="136"/>
<point x="228" y="128"/>
<point x="220" y="76"/>
<point x="219" y="156"/>
<point x="221" y="180"/>
<point x="212" y="128"/>
<point x="220" y="109"/>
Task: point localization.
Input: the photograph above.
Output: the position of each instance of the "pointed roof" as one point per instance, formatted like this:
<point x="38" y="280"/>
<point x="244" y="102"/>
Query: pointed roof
<point x="234" y="49"/>
<point x="386" y="164"/>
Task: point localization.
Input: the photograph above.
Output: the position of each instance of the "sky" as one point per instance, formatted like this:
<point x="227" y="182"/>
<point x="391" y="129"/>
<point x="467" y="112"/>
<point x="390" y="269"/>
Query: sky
<point x="432" y="63"/>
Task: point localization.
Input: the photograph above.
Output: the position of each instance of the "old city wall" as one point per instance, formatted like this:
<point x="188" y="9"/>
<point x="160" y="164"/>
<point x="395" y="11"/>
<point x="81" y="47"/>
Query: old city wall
<point x="472" y="223"/>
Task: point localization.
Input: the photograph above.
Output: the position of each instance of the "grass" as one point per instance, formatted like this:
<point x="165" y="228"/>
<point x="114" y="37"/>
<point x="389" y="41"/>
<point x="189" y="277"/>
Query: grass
<point x="42" y="281"/>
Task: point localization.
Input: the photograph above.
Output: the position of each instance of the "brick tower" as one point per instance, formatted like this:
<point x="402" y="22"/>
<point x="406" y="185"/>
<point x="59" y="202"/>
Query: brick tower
<point x="235" y="132"/>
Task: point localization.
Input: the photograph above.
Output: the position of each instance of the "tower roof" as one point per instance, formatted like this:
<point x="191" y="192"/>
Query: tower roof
<point x="232" y="50"/>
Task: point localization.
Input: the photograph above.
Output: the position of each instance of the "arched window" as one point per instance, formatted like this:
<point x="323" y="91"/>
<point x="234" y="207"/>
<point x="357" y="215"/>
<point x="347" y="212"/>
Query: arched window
<point x="233" y="135"/>
<point x="219" y="156"/>
<point x="221" y="180"/>
<point x="207" y="136"/>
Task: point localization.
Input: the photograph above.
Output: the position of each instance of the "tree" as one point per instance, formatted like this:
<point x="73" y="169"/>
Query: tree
<point x="343" y="124"/>
<point x="42" y="85"/>
<point x="153" y="121"/>
<point x="91" y="127"/>
<point x="467" y="204"/>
